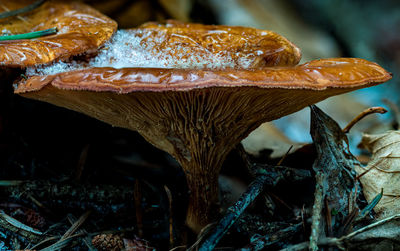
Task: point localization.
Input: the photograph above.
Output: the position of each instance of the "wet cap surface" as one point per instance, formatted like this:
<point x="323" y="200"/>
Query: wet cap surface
<point x="81" y="29"/>
<point x="315" y="75"/>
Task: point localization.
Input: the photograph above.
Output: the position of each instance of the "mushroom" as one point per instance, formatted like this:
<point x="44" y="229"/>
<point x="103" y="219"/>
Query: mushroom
<point x="81" y="29"/>
<point x="198" y="114"/>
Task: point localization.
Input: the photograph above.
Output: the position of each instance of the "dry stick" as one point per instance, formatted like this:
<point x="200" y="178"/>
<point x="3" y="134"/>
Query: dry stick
<point x="349" y="220"/>
<point x="363" y="114"/>
<point x="83" y="231"/>
<point x="68" y="237"/>
<point x="235" y="211"/>
<point x="171" y="220"/>
<point x="375" y="224"/>
<point x="262" y="242"/>
<point x="61" y="244"/>
<point x="39" y="204"/>
<point x="36" y="202"/>
<point x="328" y="217"/>
<point x="76" y="225"/>
<point x="22" y="10"/>
<point x="284" y="156"/>
<point x="53" y="238"/>
<point x="178" y="247"/>
<point x="316" y="211"/>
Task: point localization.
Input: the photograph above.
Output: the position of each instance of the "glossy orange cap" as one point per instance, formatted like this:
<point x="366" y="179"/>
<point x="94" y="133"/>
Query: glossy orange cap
<point x="81" y="29"/>
<point x="323" y="74"/>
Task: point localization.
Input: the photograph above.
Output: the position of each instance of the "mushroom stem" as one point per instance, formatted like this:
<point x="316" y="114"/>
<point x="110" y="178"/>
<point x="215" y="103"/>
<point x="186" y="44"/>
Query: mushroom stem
<point x="203" y="205"/>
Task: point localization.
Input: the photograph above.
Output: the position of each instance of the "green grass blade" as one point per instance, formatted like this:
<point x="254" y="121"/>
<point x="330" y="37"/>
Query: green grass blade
<point x="30" y="35"/>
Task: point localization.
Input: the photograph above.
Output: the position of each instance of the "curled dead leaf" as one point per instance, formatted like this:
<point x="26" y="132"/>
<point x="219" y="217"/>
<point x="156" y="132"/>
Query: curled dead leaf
<point x="382" y="172"/>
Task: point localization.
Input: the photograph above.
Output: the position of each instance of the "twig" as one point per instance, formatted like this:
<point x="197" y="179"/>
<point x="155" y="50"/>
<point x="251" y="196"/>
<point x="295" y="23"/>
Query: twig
<point x="22" y="10"/>
<point x="348" y="221"/>
<point x="284" y="156"/>
<point x="328" y="217"/>
<point x="53" y="238"/>
<point x="235" y="211"/>
<point x="171" y="220"/>
<point x="288" y="173"/>
<point x="316" y="211"/>
<point x="75" y="226"/>
<point x="375" y="224"/>
<point x="178" y="247"/>
<point x="363" y="114"/>
<point x="83" y="231"/>
<point x="61" y="243"/>
<point x="16" y="226"/>
<point x="30" y="35"/>
<point x="262" y="242"/>
<point x="292" y="174"/>
<point x="296" y="247"/>
<point x="322" y="242"/>
<point x="68" y="235"/>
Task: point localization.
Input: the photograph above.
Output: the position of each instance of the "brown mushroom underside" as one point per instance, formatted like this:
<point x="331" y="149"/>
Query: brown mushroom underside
<point x="81" y="29"/>
<point x="198" y="116"/>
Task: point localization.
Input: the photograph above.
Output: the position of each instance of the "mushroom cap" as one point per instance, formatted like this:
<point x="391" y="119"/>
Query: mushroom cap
<point x="81" y="29"/>
<point x="318" y="75"/>
<point x="246" y="47"/>
<point x="195" y="46"/>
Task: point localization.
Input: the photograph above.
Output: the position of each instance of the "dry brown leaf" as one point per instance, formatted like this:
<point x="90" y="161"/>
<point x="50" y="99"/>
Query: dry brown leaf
<point x="383" y="171"/>
<point x="268" y="137"/>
